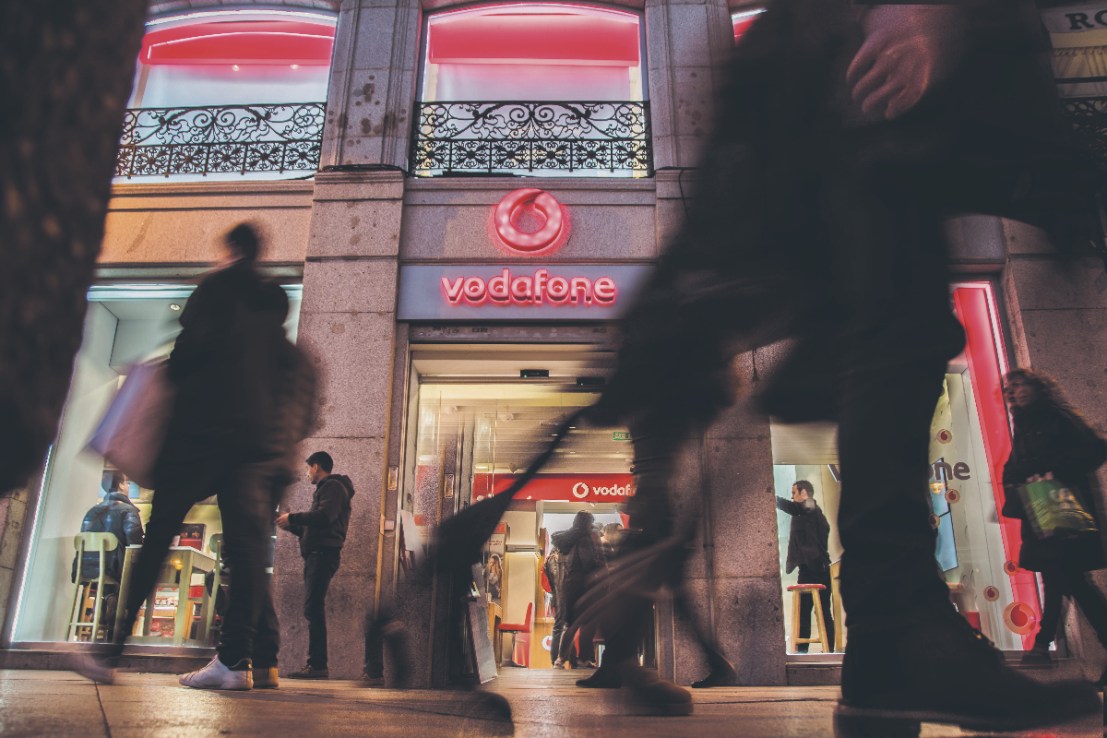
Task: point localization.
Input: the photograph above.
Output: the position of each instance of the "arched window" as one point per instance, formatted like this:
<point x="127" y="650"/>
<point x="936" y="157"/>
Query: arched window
<point x="227" y="94"/>
<point x="529" y="88"/>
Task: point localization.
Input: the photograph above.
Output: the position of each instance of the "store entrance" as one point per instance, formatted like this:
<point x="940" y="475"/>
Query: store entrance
<point x="477" y="415"/>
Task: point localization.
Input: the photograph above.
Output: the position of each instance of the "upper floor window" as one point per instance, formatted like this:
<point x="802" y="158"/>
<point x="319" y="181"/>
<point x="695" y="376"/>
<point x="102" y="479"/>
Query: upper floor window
<point x="223" y="94"/>
<point x="533" y="89"/>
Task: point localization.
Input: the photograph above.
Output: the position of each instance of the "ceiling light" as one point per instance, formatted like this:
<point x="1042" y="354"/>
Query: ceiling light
<point x="174" y="306"/>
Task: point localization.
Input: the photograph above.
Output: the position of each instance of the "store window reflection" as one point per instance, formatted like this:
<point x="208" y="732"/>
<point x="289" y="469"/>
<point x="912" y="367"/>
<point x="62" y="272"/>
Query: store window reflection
<point x="974" y="545"/>
<point x="89" y="519"/>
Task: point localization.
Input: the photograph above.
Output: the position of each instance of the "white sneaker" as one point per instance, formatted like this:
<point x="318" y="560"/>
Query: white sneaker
<point x="216" y="675"/>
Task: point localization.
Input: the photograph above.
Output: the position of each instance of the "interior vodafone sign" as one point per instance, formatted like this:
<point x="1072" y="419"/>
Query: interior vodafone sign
<point x="526" y="224"/>
<point x="559" y="487"/>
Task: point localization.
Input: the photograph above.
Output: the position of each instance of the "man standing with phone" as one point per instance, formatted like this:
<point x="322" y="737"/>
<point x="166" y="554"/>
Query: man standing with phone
<point x="322" y="533"/>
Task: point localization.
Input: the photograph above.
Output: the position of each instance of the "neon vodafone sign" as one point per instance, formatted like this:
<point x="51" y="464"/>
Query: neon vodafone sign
<point x="529" y="222"/>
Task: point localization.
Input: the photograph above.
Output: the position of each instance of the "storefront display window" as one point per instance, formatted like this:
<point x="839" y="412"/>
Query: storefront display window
<point x="62" y="601"/>
<point x="975" y="546"/>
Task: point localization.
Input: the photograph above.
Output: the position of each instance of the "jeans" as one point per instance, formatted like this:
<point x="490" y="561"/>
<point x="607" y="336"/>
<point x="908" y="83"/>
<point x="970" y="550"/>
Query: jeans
<point x="319" y="568"/>
<point x="248" y="498"/>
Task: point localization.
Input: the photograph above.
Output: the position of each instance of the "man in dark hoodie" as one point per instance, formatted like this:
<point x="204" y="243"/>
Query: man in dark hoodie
<point x="322" y="533"/>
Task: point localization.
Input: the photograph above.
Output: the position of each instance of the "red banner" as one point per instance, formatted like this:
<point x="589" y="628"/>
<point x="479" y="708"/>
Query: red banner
<point x="559" y="487"/>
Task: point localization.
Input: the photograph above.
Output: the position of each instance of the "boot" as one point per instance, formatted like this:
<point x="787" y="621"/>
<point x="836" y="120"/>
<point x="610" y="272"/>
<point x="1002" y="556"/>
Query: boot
<point x="944" y="671"/>
<point x="654" y="692"/>
<point x="722" y="675"/>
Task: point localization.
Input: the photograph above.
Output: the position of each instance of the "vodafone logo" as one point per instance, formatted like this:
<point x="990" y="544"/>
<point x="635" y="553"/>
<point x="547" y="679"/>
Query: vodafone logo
<point x="530" y="222"/>
<point x="581" y="490"/>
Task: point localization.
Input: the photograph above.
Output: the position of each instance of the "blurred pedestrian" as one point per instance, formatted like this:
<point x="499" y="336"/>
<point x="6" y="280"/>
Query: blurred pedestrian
<point x="322" y="534"/>
<point x="846" y="133"/>
<point x="1052" y="441"/>
<point x="240" y="406"/>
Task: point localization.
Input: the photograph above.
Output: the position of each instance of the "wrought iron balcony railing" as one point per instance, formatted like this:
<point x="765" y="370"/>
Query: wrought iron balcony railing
<point x="546" y="138"/>
<point x="221" y="139"/>
<point x="1088" y="116"/>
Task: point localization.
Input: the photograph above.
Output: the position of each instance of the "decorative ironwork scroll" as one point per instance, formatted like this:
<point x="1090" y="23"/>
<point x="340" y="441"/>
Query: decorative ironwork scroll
<point x="1088" y="116"/>
<point x="225" y="139"/>
<point x="531" y="137"/>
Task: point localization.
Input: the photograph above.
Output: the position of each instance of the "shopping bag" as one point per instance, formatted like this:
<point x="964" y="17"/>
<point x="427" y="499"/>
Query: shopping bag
<point x="132" y="431"/>
<point x="1055" y="511"/>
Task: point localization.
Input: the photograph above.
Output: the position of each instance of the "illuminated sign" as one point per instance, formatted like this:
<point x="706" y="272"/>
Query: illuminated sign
<point x="507" y="288"/>
<point x="547" y="218"/>
<point x="559" y="487"/>
<point x="497" y="292"/>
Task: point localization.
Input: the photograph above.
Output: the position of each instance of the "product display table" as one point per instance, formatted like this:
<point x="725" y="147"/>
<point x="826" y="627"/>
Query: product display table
<point x="181" y="563"/>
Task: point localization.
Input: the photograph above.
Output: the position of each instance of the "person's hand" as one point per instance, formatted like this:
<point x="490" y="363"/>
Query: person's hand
<point x="282" y="521"/>
<point x="908" y="49"/>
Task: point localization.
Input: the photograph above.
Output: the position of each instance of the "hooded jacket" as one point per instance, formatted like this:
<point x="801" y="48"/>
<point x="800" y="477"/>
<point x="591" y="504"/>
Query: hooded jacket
<point x="325" y="524"/>
<point x="578" y="556"/>
<point x="114" y="514"/>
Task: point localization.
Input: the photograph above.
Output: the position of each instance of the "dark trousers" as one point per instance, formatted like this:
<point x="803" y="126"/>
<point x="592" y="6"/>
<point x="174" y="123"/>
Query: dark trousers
<point x="557" y="632"/>
<point x="319" y="568"/>
<point x="1061" y="583"/>
<point x="247" y="500"/>
<point x="811" y="575"/>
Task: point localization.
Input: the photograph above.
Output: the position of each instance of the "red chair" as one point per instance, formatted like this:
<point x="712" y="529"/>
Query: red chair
<point x="520" y="658"/>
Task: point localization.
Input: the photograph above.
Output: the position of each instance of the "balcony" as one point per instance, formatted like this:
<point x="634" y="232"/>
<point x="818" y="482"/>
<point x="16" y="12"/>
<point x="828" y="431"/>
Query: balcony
<point x="1088" y="116"/>
<point x="223" y="142"/>
<point x="532" y="138"/>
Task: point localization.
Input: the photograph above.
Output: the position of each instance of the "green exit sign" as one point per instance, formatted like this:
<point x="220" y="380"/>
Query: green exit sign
<point x="620" y="436"/>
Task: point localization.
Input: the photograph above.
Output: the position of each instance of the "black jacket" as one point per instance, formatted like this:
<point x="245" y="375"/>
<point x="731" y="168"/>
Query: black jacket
<point x="114" y="514"/>
<point x="807" y="539"/>
<point x="325" y="524"/>
<point x="230" y="367"/>
<point x="578" y="556"/>
<point x="1048" y="439"/>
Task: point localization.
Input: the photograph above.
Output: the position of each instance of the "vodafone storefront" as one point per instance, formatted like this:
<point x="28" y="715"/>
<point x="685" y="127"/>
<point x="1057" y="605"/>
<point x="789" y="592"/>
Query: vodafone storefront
<point x="507" y="334"/>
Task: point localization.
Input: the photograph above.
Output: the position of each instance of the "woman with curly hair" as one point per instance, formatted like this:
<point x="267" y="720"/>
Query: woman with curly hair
<point x="1053" y="441"/>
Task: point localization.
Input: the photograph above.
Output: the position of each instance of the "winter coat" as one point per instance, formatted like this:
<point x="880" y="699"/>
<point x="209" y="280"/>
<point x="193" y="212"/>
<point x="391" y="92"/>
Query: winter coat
<point x="114" y="514"/>
<point x="808" y="536"/>
<point x="554" y="576"/>
<point x="1049" y="439"/>
<point x="579" y="555"/>
<point x="325" y="524"/>
<point x="231" y="368"/>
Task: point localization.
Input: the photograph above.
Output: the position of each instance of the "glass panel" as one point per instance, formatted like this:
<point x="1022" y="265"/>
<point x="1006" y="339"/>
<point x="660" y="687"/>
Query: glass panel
<point x="969" y="444"/>
<point x="125" y="324"/>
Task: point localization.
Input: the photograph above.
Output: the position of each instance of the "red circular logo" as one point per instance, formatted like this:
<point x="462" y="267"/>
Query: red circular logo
<point x="530" y="222"/>
<point x="1019" y="618"/>
<point x="991" y="593"/>
<point x="944" y="436"/>
<point x="953" y="496"/>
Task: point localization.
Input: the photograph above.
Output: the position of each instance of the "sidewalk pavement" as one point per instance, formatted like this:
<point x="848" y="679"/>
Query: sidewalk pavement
<point x="546" y="704"/>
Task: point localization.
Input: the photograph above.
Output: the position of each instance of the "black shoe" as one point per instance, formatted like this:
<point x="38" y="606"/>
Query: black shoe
<point x="943" y="671"/>
<point x="723" y="675"/>
<point x="370" y="681"/>
<point x="310" y="673"/>
<point x="654" y="693"/>
<point x="601" y="679"/>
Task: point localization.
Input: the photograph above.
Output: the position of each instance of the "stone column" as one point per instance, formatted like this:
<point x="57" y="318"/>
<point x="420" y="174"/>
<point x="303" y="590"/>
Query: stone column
<point x="687" y="41"/>
<point x="347" y="318"/>
<point x="1058" y="316"/>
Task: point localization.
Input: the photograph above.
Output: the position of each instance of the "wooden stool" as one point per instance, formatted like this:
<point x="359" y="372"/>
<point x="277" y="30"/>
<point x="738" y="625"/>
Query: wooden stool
<point x="798" y="591"/>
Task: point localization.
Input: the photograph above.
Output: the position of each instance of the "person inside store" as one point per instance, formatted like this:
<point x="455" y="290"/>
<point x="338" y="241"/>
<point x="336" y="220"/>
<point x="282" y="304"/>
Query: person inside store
<point x="554" y="575"/>
<point x="579" y="555"/>
<point x="807" y="551"/>
<point x="1052" y="441"/>
<point x="243" y="398"/>
<point x="322" y="534"/>
<point x="115" y="514"/>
